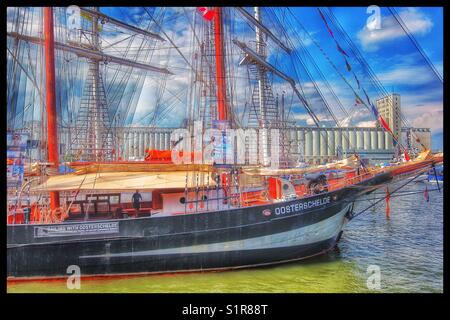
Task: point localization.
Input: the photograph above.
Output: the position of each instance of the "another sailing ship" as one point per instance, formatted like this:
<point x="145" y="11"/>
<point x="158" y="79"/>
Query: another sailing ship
<point x="201" y="216"/>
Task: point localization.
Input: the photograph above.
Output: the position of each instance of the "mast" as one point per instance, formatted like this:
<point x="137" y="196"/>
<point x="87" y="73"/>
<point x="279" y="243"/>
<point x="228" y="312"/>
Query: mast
<point x="221" y="85"/>
<point x="90" y="54"/>
<point x="260" y="52"/>
<point x="261" y="89"/>
<point x="98" y="115"/>
<point x="52" y="133"/>
<point x="94" y="134"/>
<point x="220" y="65"/>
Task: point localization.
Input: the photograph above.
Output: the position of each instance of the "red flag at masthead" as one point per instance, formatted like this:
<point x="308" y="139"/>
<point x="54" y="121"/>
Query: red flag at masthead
<point x="206" y="13"/>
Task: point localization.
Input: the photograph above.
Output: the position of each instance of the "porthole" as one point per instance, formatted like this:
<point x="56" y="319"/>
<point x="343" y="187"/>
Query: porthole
<point x="204" y="198"/>
<point x="182" y="200"/>
<point x="285" y="186"/>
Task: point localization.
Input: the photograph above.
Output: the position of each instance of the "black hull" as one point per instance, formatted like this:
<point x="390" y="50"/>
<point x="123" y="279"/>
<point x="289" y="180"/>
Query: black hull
<point x="233" y="238"/>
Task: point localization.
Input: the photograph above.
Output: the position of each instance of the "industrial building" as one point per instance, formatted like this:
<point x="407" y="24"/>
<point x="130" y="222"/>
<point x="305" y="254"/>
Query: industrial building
<point x="389" y="107"/>
<point x="304" y="144"/>
<point x="309" y="144"/>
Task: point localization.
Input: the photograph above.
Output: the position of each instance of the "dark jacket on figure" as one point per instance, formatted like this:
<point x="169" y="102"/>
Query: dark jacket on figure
<point x="136" y="197"/>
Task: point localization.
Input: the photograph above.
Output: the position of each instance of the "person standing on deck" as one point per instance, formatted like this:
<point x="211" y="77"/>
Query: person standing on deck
<point x="26" y="212"/>
<point x="136" y="203"/>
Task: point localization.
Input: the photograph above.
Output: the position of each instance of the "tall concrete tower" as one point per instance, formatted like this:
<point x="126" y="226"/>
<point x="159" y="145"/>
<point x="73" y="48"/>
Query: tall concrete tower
<point x="389" y="108"/>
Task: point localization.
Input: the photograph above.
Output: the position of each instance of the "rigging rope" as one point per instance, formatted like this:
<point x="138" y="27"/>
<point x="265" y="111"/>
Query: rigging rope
<point x="358" y="100"/>
<point x="352" y="216"/>
<point x="415" y="43"/>
<point x="366" y="67"/>
<point x="323" y="78"/>
<point x="331" y="63"/>
<point x="296" y="54"/>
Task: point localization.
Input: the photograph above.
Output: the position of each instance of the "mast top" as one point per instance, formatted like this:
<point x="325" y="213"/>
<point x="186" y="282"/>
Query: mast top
<point x="259" y="25"/>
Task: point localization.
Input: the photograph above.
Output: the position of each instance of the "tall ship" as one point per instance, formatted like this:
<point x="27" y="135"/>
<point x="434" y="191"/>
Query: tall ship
<point x="229" y="193"/>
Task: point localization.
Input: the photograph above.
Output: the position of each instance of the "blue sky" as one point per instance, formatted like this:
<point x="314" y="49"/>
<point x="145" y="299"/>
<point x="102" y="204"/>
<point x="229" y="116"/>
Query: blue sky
<point x="389" y="52"/>
<point x="397" y="63"/>
<point x="393" y="58"/>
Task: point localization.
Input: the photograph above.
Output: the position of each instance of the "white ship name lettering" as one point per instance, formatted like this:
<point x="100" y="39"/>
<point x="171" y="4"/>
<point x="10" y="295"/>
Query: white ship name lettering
<point x="295" y="207"/>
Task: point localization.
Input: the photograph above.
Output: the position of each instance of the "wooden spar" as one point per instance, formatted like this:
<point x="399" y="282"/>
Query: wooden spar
<point x="52" y="133"/>
<point x="259" y="25"/>
<point x="220" y="65"/>
<point x="220" y="78"/>
<point x="104" y="18"/>
<point x="91" y="54"/>
<point x="257" y="59"/>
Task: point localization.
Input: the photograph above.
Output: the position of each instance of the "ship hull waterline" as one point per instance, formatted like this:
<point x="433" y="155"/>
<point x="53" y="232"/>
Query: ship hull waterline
<point x="217" y="240"/>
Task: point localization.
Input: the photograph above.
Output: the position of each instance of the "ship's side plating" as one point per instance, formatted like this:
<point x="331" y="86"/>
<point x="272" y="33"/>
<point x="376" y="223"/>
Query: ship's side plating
<point x="222" y="239"/>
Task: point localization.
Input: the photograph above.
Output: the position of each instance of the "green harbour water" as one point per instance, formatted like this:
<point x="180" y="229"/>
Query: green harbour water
<point x="407" y="248"/>
<point x="318" y="275"/>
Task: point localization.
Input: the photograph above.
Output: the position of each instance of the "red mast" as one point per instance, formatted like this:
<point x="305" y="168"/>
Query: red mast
<point x="220" y="65"/>
<point x="52" y="134"/>
<point x="220" y="77"/>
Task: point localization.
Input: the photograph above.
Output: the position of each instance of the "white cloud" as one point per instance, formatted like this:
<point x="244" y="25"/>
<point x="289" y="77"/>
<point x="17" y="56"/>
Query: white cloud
<point x="407" y="75"/>
<point x="174" y="85"/>
<point x="359" y="117"/>
<point x="423" y="113"/>
<point x="366" y="124"/>
<point x="32" y="16"/>
<point x="300" y="38"/>
<point x="415" y="21"/>
<point x="310" y="122"/>
<point x="432" y="119"/>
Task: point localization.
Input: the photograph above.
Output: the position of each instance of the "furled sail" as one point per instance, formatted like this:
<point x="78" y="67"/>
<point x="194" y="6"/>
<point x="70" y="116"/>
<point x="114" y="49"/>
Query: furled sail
<point x="83" y="168"/>
<point x="127" y="181"/>
<point x="350" y="162"/>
